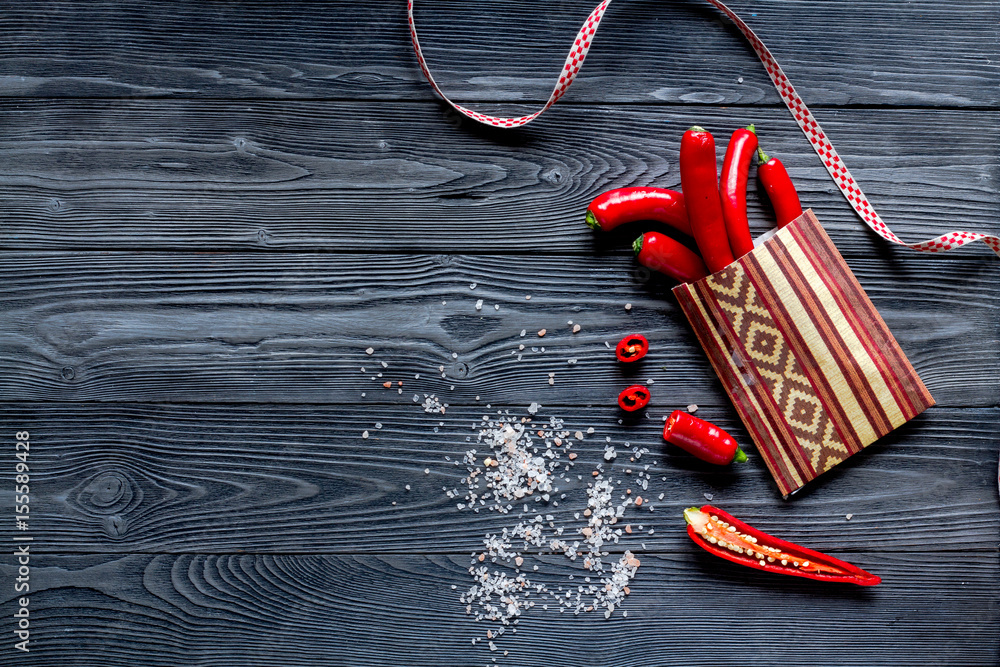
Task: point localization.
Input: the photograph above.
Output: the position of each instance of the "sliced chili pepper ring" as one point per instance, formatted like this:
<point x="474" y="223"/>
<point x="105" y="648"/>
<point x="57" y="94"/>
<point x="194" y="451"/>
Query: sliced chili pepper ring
<point x="725" y="536"/>
<point x="632" y="348"/>
<point x="633" y="398"/>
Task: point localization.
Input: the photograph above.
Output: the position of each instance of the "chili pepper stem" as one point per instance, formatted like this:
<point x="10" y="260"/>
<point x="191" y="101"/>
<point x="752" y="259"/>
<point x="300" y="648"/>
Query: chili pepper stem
<point x="592" y="221"/>
<point x="696" y="128"/>
<point x="762" y="156"/>
<point x="740" y="456"/>
<point x="751" y="128"/>
<point x="637" y="245"/>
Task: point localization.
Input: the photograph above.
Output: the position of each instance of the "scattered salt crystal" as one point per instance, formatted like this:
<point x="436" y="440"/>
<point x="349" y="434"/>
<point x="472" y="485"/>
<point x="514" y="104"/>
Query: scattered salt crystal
<point x="385" y="365"/>
<point x="541" y="332"/>
<point x="849" y="516"/>
<point x="708" y="496"/>
<point x="691" y="408"/>
<point x="407" y="487"/>
<point x="576" y="328"/>
<point x="739" y="80"/>
<point x="628" y="306"/>
<point x="364" y="434"/>
<point x="533" y="408"/>
<point x="370" y="351"/>
<point x="523" y="331"/>
<point x="527" y="297"/>
<point x="496" y="306"/>
<point x="473" y="286"/>
<point x="479" y="304"/>
<point x="609" y="453"/>
<point x="579" y="435"/>
<point x="650" y="381"/>
<point x="427" y="471"/>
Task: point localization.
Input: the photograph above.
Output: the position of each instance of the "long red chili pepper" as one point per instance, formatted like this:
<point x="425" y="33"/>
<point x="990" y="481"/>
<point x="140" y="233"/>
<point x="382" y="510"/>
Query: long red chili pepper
<point x="733" y="189"/>
<point x="780" y="190"/>
<point x="617" y="207"/>
<point x="661" y="253"/>
<point x="633" y="398"/>
<point x="632" y="348"/>
<point x="700" y="183"/>
<point x="728" y="537"/>
<point x="702" y="439"/>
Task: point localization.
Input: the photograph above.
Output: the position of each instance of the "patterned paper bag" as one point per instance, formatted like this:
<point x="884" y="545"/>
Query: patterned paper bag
<point x="806" y="359"/>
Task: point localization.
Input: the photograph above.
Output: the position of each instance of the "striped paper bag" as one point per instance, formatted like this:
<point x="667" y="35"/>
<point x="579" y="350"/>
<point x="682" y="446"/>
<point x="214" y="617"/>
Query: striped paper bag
<point x="804" y="356"/>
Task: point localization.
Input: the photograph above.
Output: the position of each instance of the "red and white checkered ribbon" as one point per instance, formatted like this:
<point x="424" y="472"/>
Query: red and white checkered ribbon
<point x="814" y="133"/>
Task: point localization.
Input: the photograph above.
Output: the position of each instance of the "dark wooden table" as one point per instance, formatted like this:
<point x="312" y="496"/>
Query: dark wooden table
<point x="210" y="211"/>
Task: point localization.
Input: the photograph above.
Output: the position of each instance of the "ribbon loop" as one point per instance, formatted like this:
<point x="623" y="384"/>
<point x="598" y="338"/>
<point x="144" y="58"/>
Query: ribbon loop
<point x="803" y="116"/>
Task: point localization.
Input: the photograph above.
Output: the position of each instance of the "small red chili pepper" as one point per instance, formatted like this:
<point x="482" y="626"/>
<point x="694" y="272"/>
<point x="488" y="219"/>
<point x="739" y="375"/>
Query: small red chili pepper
<point x="633" y="398"/>
<point x="700" y="183"/>
<point x="702" y="439"/>
<point x="617" y="207"/>
<point x="780" y="190"/>
<point x="733" y="189"/>
<point x="661" y="253"/>
<point x="729" y="538"/>
<point x="632" y="348"/>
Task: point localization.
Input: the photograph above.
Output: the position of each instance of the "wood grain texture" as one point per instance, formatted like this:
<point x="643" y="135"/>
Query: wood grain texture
<point x="508" y="50"/>
<point x="238" y="610"/>
<point x="295" y="327"/>
<point x="210" y="210"/>
<point x="303" y="479"/>
<point x="347" y="176"/>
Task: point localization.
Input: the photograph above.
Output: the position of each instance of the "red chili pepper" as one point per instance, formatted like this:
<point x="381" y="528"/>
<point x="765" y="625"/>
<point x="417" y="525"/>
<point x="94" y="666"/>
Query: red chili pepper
<point x="632" y="348"/>
<point x="728" y="537"/>
<point x="661" y="253"/>
<point x="702" y="439"/>
<point x="700" y="183"/>
<point x="733" y="189"/>
<point x="617" y="207"/>
<point x="633" y="398"/>
<point x="779" y="188"/>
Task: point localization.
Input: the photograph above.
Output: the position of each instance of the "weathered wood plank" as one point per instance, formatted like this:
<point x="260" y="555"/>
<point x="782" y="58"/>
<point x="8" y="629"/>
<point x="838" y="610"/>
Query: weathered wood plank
<point x="393" y="610"/>
<point x="205" y="175"/>
<point x="303" y="479"/>
<point x="650" y="51"/>
<point x="291" y="327"/>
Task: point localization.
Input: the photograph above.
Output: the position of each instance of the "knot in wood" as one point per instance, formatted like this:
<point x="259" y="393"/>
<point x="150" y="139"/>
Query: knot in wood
<point x="108" y="492"/>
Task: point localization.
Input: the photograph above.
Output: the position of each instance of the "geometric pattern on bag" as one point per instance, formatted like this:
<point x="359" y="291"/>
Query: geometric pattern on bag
<point x="806" y="360"/>
<point x="778" y="367"/>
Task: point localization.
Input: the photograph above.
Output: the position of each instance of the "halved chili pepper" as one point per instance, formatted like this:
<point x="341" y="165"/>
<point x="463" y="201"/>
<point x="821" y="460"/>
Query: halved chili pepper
<point x="633" y="398"/>
<point x="632" y="348"/>
<point x="728" y="537"/>
<point x="733" y="189"/>
<point x="617" y="207"/>
<point x="780" y="190"/>
<point x="702" y="439"/>
<point x="700" y="182"/>
<point x="661" y="253"/>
